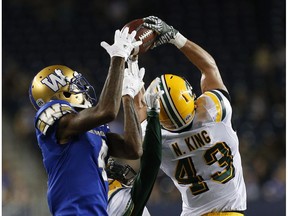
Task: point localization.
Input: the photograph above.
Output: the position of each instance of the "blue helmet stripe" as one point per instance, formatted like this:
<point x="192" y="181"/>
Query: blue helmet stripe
<point x="32" y="98"/>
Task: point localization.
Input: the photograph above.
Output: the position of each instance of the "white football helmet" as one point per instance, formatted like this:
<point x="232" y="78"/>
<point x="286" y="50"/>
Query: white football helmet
<point x="58" y="82"/>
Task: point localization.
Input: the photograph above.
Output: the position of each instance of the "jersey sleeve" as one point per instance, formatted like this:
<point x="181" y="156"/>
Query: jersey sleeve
<point x="150" y="163"/>
<point x="50" y="113"/>
<point x="217" y="105"/>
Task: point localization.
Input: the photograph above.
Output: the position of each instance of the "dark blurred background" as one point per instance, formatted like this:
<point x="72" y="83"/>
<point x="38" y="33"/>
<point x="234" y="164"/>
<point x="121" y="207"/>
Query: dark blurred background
<point x="246" y="38"/>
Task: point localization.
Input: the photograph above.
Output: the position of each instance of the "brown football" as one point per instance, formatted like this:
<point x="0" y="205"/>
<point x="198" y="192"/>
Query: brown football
<point x="147" y="36"/>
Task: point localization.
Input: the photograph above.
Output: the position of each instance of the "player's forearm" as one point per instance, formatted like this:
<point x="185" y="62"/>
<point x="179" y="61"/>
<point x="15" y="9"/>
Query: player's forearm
<point x="110" y="98"/>
<point x="140" y="105"/>
<point x="105" y="110"/>
<point x="199" y="57"/>
<point x="152" y="144"/>
<point x="211" y="78"/>
<point x="150" y="163"/>
<point x="132" y="129"/>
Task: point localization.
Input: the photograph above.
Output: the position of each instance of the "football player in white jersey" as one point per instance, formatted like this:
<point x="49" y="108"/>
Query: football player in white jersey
<point x="200" y="149"/>
<point x="129" y="191"/>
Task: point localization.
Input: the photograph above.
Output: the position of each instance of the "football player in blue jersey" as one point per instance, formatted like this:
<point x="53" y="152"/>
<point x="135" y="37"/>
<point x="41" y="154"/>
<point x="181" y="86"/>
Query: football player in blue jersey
<point x="73" y="134"/>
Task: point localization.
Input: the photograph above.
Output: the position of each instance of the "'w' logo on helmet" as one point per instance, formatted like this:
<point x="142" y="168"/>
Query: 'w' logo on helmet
<point x="54" y="80"/>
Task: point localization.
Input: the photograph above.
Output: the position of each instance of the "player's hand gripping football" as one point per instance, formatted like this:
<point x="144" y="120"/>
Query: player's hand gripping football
<point x="152" y="96"/>
<point x="167" y="34"/>
<point x="133" y="77"/>
<point x="123" y="45"/>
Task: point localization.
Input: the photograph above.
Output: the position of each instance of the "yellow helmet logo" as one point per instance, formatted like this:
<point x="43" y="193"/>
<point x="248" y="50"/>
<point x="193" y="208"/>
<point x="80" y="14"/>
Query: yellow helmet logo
<point x="177" y="108"/>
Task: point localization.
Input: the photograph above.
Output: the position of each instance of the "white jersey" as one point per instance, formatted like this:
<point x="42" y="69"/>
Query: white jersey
<point x="120" y="203"/>
<point x="204" y="162"/>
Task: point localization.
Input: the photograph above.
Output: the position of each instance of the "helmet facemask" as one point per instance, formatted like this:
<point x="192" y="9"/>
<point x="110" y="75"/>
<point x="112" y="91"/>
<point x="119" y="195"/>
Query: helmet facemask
<point x="82" y="93"/>
<point x="122" y="173"/>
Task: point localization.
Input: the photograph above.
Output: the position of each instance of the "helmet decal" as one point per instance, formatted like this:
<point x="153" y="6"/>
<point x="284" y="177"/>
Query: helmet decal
<point x="40" y="102"/>
<point x="53" y="80"/>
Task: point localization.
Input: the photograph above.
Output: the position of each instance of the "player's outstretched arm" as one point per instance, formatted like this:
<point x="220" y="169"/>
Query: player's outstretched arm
<point x="151" y="158"/>
<point x="129" y="146"/>
<point x="109" y="101"/>
<point x="211" y="78"/>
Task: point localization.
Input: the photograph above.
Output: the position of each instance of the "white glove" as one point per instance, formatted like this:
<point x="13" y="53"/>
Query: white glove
<point x="123" y="45"/>
<point x="133" y="78"/>
<point x="152" y="96"/>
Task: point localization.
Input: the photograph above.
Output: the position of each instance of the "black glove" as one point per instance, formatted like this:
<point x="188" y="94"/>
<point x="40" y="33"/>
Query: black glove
<point x="166" y="33"/>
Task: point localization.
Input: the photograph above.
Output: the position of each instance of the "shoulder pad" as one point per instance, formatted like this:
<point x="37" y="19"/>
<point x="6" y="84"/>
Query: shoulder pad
<point x="50" y="113"/>
<point x="218" y="105"/>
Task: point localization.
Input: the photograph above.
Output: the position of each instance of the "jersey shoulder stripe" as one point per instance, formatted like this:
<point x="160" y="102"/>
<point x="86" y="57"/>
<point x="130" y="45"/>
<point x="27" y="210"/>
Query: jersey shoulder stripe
<point x="50" y="113"/>
<point x="219" y="104"/>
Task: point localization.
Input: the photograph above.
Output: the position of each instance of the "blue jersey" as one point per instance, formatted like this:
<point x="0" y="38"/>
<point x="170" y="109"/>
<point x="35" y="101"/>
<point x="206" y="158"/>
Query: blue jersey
<point x="77" y="181"/>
